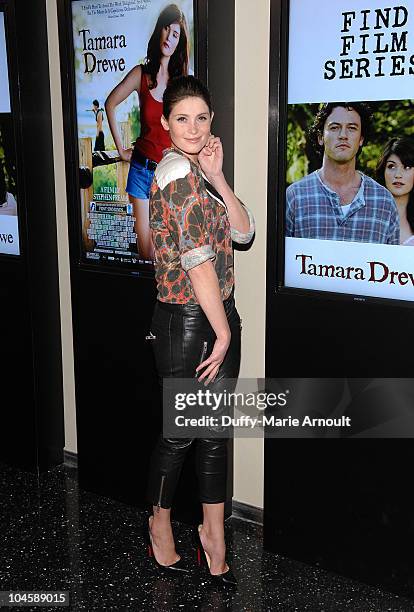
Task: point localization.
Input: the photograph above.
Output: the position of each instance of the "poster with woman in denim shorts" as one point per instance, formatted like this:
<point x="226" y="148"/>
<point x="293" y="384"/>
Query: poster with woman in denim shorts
<point x="125" y="52"/>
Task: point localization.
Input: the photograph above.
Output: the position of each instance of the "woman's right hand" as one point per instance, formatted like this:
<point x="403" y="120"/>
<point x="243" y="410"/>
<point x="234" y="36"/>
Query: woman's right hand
<point x="214" y="361"/>
<point x="125" y="154"/>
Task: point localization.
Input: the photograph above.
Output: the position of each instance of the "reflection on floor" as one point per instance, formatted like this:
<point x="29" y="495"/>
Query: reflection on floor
<point x="55" y="536"/>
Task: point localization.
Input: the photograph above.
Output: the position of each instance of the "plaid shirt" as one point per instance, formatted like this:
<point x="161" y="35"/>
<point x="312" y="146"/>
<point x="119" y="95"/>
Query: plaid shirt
<point x="314" y="211"/>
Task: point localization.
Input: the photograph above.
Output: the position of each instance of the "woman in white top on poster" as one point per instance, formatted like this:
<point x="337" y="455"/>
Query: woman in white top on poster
<point x="8" y="205"/>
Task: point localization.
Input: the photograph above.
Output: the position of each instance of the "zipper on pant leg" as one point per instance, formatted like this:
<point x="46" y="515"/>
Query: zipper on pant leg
<point x="203" y="355"/>
<point x="160" y="495"/>
<point x="203" y="352"/>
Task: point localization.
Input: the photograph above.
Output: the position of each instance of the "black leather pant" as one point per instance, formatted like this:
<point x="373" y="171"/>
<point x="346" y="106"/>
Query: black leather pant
<point x="180" y="333"/>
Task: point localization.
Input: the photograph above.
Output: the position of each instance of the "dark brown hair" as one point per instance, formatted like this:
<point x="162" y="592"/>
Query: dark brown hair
<point x="178" y="64"/>
<point x="404" y="149"/>
<point x="184" y="87"/>
<point x="316" y="129"/>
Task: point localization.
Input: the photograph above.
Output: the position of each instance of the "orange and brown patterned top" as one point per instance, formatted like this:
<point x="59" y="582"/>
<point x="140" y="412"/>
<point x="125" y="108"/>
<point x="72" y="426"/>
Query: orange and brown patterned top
<point x="189" y="225"/>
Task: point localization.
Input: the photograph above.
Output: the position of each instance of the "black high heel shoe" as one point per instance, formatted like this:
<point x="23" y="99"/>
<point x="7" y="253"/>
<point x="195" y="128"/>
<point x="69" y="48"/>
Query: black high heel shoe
<point x="226" y="578"/>
<point x="176" y="568"/>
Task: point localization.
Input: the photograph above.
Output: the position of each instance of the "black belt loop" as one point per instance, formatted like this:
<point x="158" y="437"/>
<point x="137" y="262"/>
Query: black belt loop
<point x="149" y="164"/>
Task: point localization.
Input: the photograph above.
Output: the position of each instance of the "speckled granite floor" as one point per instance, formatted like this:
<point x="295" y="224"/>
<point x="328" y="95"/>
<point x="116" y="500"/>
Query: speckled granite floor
<point x="55" y="536"/>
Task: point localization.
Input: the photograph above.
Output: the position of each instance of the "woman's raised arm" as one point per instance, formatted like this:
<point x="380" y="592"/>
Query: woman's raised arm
<point x="240" y="218"/>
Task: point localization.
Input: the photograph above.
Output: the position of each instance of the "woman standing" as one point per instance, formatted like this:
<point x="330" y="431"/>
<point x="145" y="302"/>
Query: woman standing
<point x="167" y="57"/>
<point x="395" y="170"/>
<point x="194" y="216"/>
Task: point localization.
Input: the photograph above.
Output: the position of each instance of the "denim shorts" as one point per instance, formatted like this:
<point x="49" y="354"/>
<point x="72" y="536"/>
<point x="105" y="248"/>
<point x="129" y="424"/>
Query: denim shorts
<point x="139" y="181"/>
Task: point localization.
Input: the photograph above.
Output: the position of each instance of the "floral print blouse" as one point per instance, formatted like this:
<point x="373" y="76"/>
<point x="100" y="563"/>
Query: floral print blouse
<point x="189" y="225"/>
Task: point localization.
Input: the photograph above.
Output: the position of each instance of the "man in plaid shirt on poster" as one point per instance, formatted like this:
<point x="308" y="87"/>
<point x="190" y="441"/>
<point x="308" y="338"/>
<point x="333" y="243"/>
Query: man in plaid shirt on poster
<point x="337" y="202"/>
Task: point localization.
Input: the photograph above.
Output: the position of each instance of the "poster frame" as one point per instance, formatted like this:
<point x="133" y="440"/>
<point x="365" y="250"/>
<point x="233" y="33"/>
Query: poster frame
<point x="277" y="163"/>
<point x="7" y="8"/>
<point x="70" y="130"/>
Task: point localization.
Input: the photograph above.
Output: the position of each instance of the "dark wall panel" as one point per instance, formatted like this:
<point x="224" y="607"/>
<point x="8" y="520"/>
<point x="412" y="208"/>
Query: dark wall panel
<point x="221" y="16"/>
<point x="32" y="418"/>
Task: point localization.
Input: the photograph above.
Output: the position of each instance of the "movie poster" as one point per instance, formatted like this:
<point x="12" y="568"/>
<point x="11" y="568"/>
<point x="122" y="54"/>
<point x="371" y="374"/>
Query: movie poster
<point x="9" y="226"/>
<point x="118" y="111"/>
<point x="349" y="217"/>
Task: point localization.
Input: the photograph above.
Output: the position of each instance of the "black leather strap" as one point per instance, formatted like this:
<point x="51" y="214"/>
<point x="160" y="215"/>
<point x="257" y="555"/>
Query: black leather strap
<point x="143" y="161"/>
<point x="213" y="192"/>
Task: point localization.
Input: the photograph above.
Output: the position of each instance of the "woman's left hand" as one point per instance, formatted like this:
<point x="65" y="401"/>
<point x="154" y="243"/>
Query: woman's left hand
<point x="211" y="158"/>
<point x="211" y="365"/>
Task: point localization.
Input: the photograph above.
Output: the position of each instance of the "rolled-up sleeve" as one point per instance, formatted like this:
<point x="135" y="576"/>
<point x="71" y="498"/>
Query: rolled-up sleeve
<point x="244" y="237"/>
<point x="196" y="256"/>
<point x="187" y="223"/>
